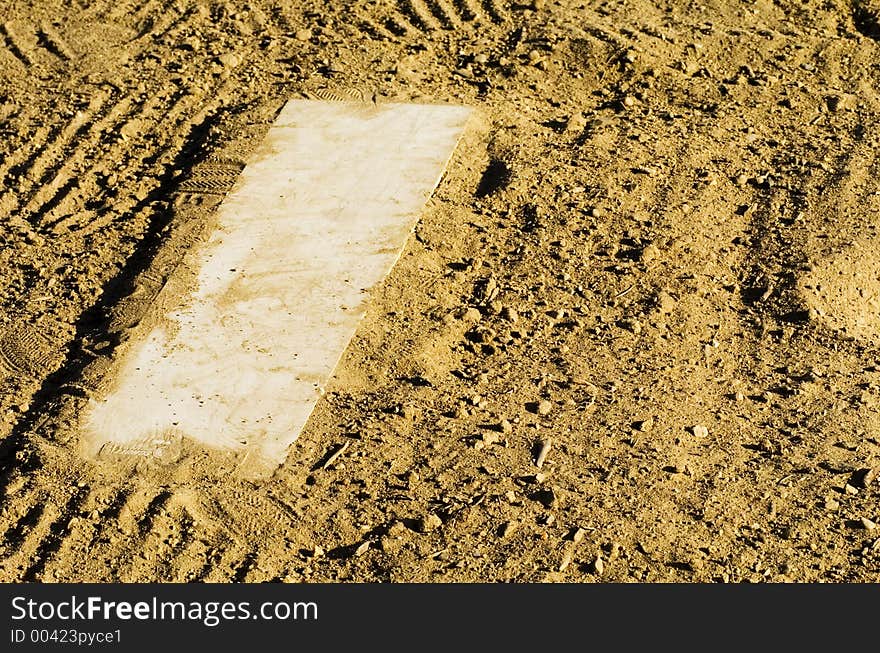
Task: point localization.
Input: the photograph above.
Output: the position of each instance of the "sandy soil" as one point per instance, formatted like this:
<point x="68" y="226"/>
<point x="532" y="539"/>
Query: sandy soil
<point x="653" y="271"/>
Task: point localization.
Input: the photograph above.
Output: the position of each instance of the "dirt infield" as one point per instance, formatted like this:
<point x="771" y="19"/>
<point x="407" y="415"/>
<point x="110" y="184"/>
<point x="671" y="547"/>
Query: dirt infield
<point x="634" y="337"/>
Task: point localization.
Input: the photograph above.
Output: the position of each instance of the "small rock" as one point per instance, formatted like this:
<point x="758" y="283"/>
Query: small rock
<point x="363" y="547"/>
<point x="490" y="437"/>
<point x="664" y="302"/>
<point x="700" y="431"/>
<point x="597" y="212"/>
<point x="644" y="425"/>
<point x="229" y="60"/>
<point x="650" y="253"/>
<point x="575" y="123"/>
<point x="849" y="489"/>
<point x="304" y="34"/>
<point x="509" y="314"/>
<point x="566" y="559"/>
<point x="544" y="407"/>
<point x="578" y="535"/>
<point x="429" y="523"/>
<point x="867" y="524"/>
<point x="831" y="504"/>
<point x="543" y="449"/>
<point x="505" y="426"/>
<point x="598" y="566"/>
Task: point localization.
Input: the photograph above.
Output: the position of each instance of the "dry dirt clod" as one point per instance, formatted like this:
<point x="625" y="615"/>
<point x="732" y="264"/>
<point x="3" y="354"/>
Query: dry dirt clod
<point x="428" y="523"/>
<point x="700" y="431"/>
<point x="544" y="407"/>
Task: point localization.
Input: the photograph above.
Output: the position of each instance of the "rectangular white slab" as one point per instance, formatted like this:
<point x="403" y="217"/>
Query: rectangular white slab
<point x="318" y="217"/>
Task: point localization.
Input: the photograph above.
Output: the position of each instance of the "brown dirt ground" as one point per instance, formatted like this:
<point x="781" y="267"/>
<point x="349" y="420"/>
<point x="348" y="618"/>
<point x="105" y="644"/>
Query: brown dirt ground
<point x="668" y="220"/>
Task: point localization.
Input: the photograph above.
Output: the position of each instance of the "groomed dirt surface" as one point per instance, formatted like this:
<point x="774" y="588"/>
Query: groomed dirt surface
<point x="651" y="267"/>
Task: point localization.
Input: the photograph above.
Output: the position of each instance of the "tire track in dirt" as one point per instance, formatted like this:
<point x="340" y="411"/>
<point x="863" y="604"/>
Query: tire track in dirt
<point x="36" y="45"/>
<point x="15" y="43"/>
<point x="154" y="128"/>
<point x="53" y="41"/>
<point x="432" y="15"/>
<point x="167" y="128"/>
<point x="168" y="535"/>
<point x="45" y="537"/>
<point x="37" y="170"/>
<point x="139" y="516"/>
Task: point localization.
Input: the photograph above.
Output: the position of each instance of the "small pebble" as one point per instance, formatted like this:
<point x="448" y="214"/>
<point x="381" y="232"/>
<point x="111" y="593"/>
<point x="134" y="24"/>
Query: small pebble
<point x="505" y="426"/>
<point x="867" y="524"/>
<point x="544" y="407"/>
<point x="304" y="34"/>
<point x="599" y="566"/>
<point x="229" y="60"/>
<point x="650" y="253"/>
<point x="566" y="559"/>
<point x="362" y="548"/>
<point x="700" y="431"/>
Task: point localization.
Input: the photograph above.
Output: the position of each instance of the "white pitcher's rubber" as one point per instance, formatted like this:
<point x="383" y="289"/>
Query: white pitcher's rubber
<point x="318" y="217"/>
